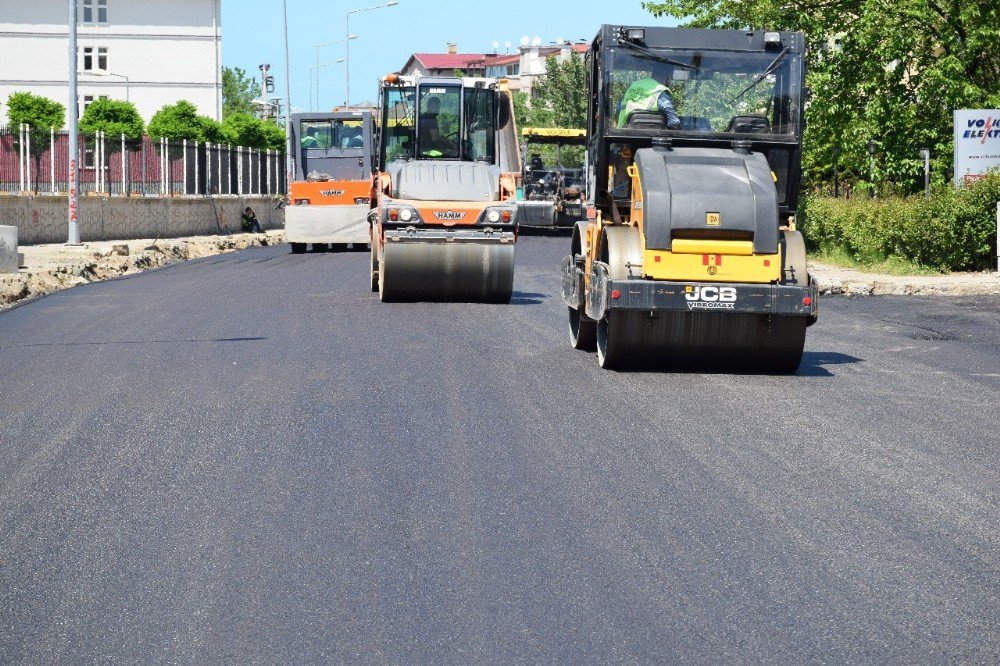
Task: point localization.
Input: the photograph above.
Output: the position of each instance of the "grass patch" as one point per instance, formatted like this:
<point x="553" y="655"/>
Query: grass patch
<point x="838" y="256"/>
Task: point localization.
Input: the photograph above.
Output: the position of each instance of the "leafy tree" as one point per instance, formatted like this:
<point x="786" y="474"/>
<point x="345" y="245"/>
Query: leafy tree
<point x="242" y="129"/>
<point x="560" y="100"/>
<point x="113" y="117"/>
<point x="238" y="92"/>
<point x="521" y="109"/>
<point x="42" y="113"/>
<point x="561" y="95"/>
<point x="181" y="121"/>
<point x="890" y="76"/>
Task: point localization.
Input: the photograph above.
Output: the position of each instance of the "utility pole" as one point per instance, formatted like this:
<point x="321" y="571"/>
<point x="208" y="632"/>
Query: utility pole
<point x="73" y="235"/>
<point x="265" y="109"/>
<point x="926" y="154"/>
<point x="289" y="175"/>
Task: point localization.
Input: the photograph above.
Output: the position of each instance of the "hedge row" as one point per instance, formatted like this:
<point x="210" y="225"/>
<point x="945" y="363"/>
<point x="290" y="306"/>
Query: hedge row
<point x="953" y="230"/>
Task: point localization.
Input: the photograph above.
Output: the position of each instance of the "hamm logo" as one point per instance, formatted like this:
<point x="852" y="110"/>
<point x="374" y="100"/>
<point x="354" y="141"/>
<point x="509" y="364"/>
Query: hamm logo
<point x="449" y="215"/>
<point x="332" y="193"/>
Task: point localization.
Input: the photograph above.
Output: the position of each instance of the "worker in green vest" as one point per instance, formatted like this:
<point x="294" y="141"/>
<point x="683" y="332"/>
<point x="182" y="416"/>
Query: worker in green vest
<point x="649" y="95"/>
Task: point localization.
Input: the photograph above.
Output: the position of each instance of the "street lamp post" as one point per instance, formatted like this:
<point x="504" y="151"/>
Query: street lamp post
<point x="318" y="47"/>
<point x="314" y="70"/>
<point x="288" y="101"/>
<point x="120" y="76"/>
<point x="73" y="234"/>
<point x="347" y="57"/>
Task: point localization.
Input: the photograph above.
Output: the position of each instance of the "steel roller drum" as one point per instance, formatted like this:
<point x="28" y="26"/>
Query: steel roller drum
<point x="696" y="340"/>
<point x="443" y="271"/>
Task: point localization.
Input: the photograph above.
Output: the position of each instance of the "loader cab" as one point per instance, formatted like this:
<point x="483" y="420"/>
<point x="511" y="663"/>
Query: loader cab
<point x="335" y="146"/>
<point x="730" y="89"/>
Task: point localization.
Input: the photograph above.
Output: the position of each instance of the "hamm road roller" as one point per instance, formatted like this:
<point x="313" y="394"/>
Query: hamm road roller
<point x="445" y="222"/>
<point x="331" y="194"/>
<point x="689" y="256"/>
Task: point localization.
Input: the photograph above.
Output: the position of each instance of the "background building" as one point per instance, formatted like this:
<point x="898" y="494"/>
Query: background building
<point x="521" y="69"/>
<point x="167" y="50"/>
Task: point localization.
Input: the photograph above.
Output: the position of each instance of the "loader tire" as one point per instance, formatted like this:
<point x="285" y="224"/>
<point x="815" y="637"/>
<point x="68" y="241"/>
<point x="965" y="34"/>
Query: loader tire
<point x="794" y="270"/>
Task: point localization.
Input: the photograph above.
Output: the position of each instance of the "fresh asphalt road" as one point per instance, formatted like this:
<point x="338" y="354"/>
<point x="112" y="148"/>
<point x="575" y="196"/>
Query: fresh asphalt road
<point x="249" y="458"/>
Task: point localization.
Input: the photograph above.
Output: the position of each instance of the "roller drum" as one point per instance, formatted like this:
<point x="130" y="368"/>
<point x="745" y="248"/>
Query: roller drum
<point x="701" y="340"/>
<point x="442" y="271"/>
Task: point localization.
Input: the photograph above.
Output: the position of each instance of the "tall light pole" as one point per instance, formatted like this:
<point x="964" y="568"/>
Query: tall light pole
<point x="318" y="46"/>
<point x="120" y="76"/>
<point x="73" y="234"/>
<point x="315" y="70"/>
<point x="347" y="58"/>
<point x="289" y="175"/>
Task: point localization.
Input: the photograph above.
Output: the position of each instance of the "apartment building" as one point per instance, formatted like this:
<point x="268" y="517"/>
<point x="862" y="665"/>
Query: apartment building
<point x="151" y="52"/>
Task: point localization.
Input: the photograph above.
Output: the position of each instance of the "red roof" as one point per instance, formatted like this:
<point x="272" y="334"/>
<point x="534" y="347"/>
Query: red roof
<point x="450" y="60"/>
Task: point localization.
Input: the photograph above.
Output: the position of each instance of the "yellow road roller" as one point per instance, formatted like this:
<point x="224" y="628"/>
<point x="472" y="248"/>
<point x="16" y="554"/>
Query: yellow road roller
<point x="445" y="222"/>
<point x="689" y="257"/>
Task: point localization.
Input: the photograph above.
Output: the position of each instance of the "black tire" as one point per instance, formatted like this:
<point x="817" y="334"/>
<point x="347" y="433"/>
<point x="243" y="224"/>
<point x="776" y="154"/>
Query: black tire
<point x="582" y="331"/>
<point x="610" y="347"/>
<point x="794" y="269"/>
<point x="298" y="248"/>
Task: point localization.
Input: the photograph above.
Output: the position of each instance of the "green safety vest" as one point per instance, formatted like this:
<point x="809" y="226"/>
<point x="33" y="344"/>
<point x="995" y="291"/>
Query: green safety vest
<point x="640" y="96"/>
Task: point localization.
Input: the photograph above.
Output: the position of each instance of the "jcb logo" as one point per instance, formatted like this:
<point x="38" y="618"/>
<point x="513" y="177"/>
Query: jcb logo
<point x="710" y="298"/>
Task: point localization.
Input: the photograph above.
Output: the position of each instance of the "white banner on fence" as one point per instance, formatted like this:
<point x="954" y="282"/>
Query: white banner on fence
<point x="977" y="143"/>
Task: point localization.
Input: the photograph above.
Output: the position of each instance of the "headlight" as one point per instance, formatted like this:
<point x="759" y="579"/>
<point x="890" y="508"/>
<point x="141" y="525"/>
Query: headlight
<point x="493" y="216"/>
<point x="406" y="215"/>
<point x="302" y="202"/>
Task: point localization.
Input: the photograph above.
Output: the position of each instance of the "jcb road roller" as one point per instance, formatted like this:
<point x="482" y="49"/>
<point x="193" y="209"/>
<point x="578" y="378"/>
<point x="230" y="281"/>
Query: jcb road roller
<point x="690" y="257"/>
<point x="445" y="223"/>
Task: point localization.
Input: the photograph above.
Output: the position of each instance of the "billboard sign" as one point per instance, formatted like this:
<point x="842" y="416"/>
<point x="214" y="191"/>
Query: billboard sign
<point x="977" y="143"/>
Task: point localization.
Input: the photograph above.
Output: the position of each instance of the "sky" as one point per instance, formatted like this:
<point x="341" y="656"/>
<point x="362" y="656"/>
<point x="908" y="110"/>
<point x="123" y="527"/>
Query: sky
<point x="252" y="35"/>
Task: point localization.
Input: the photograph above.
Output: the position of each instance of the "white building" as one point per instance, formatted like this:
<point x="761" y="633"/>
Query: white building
<point x="167" y="49"/>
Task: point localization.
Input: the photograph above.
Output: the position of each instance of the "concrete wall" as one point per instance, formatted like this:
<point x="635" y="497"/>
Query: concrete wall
<point x="42" y="219"/>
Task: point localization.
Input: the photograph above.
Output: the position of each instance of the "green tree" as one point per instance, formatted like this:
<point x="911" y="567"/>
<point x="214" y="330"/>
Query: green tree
<point x="241" y="129"/>
<point x="42" y="113"/>
<point x="560" y="97"/>
<point x="238" y="92"/>
<point x="113" y="117"/>
<point x="888" y="72"/>
<point x="181" y="121"/>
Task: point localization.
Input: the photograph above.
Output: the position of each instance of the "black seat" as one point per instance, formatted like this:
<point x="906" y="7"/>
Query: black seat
<point x="645" y="120"/>
<point x="749" y="124"/>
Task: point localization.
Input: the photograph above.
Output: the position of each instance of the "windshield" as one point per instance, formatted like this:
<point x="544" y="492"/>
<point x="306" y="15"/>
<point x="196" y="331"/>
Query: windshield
<point x="440" y="118"/>
<point x="480" y="125"/>
<point x="714" y="92"/>
<point x="398" y="124"/>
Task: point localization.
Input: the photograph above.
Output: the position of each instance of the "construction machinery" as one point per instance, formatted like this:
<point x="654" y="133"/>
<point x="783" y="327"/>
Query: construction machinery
<point x="690" y="255"/>
<point x="554" y="189"/>
<point x="331" y="194"/>
<point x="445" y="222"/>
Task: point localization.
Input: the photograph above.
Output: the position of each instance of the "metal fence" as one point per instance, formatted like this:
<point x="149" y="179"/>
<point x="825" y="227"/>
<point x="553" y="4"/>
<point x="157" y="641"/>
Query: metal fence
<point x="38" y="163"/>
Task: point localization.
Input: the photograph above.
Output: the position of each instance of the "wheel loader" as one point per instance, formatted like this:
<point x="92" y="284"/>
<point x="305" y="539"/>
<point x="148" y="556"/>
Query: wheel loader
<point x="445" y="220"/>
<point x="331" y="195"/>
<point x="689" y="257"/>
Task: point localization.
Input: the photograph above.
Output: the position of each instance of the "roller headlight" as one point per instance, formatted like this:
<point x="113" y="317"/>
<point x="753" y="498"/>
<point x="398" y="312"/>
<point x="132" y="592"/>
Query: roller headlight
<point x="406" y="215"/>
<point x="493" y="216"/>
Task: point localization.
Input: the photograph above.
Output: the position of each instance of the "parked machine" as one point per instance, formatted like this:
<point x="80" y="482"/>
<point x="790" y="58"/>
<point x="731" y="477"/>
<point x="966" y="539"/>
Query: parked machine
<point x="331" y="194"/>
<point x="553" y="182"/>
<point x="444" y="226"/>
<point x="691" y="256"/>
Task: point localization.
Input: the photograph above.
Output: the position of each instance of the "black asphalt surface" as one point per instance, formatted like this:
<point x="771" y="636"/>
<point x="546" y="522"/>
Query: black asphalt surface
<point x="248" y="458"/>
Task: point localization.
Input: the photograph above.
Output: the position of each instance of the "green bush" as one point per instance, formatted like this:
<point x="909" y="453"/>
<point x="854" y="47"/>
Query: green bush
<point x="181" y="121"/>
<point x="955" y="229"/>
<point x="242" y="129"/>
<point x="114" y="117"/>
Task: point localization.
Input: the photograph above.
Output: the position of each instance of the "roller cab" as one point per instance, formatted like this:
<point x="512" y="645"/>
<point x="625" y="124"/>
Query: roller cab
<point x="690" y="257"/>
<point x="445" y="223"/>
<point x="330" y="198"/>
